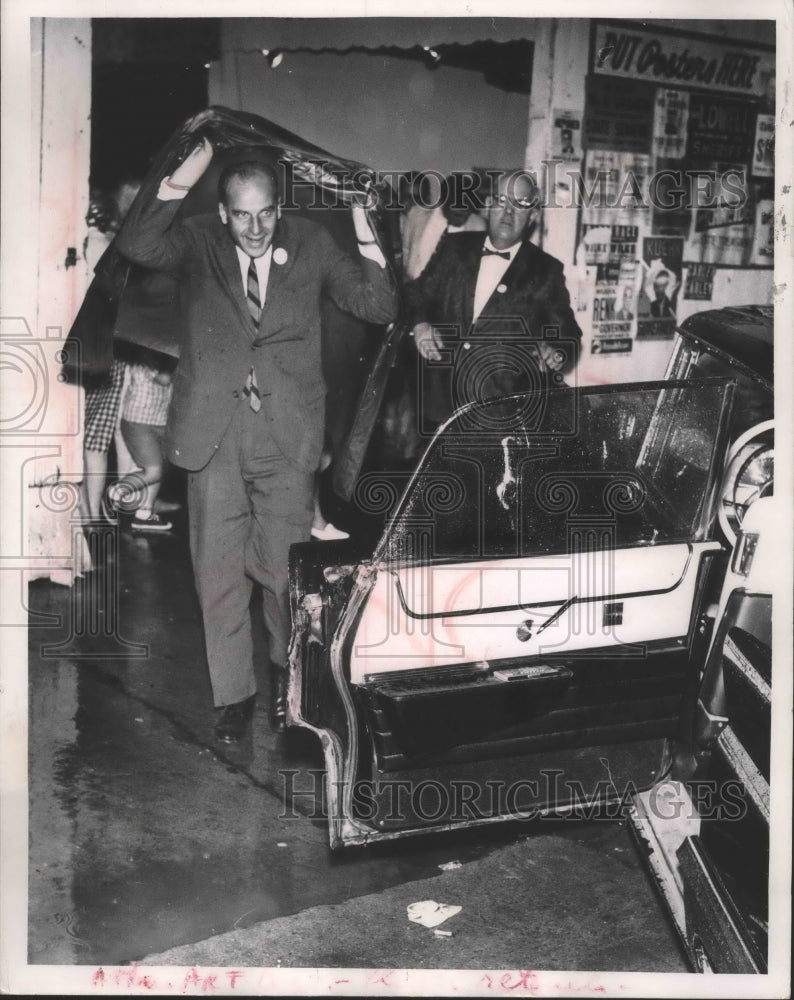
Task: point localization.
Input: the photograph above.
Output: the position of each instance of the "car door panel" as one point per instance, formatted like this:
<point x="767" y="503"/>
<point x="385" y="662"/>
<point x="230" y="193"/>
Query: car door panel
<point x="533" y="655"/>
<point x="436" y="615"/>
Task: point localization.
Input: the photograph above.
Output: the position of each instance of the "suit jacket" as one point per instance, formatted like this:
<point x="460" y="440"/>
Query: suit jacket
<point x="531" y="302"/>
<point x="220" y="341"/>
<point x="661" y="308"/>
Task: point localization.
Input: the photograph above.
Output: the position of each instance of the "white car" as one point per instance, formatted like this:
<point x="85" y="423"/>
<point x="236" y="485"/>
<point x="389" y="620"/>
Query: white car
<point x="530" y="634"/>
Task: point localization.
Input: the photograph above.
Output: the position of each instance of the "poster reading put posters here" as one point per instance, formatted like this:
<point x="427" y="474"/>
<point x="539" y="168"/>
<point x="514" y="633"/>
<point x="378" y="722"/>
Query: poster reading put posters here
<point x="659" y="286"/>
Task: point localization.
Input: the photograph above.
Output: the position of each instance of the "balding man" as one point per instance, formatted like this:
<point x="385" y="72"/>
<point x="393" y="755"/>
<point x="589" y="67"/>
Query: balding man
<point x="491" y="314"/>
<point x="247" y="413"/>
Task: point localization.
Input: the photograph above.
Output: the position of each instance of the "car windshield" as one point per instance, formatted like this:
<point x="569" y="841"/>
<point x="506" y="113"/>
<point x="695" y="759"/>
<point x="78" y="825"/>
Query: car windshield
<point x="553" y="472"/>
<point x="754" y="402"/>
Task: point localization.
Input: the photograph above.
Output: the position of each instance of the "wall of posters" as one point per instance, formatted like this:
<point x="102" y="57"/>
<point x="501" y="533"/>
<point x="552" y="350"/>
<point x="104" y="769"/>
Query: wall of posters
<point x="677" y="180"/>
<point x="676" y="189"/>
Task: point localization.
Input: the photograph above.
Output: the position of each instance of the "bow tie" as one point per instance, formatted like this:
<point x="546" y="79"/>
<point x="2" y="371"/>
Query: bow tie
<point x="504" y="254"/>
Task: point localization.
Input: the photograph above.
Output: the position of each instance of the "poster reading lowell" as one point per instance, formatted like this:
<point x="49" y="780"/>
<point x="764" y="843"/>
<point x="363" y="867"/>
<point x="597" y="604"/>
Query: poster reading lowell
<point x="661" y="281"/>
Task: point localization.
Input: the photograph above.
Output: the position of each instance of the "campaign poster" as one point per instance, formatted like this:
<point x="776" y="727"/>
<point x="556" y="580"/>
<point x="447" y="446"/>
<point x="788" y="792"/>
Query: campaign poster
<point x="763" y="250"/>
<point x="566" y="135"/>
<point x="722" y="230"/>
<point x="670" y="120"/>
<point x="600" y="187"/>
<point x="618" y="117"/>
<point x="613" y="317"/>
<point x="672" y="201"/>
<point x="720" y="128"/>
<point x="699" y="282"/>
<point x="659" y="286"/>
<point x="763" y="163"/>
<point x="615" y="189"/>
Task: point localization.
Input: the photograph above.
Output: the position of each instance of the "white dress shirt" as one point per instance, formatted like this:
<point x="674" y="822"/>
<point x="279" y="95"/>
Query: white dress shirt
<point x="262" y="265"/>
<point x="492" y="269"/>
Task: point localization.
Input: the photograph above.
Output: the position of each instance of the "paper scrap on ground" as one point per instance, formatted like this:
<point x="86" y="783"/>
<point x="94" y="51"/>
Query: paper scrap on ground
<point x="450" y="866"/>
<point x="429" y="913"/>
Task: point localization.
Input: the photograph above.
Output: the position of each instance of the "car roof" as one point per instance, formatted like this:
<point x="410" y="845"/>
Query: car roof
<point x="745" y="333"/>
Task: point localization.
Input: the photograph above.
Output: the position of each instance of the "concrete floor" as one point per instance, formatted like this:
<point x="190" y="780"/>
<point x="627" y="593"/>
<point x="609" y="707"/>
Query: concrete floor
<point x="150" y="842"/>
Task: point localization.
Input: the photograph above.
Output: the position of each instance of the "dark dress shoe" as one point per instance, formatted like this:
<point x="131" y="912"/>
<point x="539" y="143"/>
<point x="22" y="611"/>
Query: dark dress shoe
<point x="278" y="699"/>
<point x="235" y="720"/>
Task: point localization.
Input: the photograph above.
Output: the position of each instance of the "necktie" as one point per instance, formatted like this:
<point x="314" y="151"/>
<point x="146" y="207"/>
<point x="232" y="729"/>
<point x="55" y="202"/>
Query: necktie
<point x="252" y="294"/>
<point x="504" y="254"/>
<point x="251" y="389"/>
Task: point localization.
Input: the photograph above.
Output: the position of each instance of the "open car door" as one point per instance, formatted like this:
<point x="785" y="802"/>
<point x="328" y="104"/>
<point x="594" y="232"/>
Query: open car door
<point x="522" y="639"/>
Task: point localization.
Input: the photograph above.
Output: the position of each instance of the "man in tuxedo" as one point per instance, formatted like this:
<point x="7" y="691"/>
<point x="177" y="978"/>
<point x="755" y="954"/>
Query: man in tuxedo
<point x="247" y="412"/>
<point x="491" y="315"/>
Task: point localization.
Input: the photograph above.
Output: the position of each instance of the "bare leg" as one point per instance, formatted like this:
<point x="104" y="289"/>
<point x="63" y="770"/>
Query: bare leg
<point x="95" y="470"/>
<point x="319" y="523"/>
<point x="320" y="526"/>
<point x="140" y="488"/>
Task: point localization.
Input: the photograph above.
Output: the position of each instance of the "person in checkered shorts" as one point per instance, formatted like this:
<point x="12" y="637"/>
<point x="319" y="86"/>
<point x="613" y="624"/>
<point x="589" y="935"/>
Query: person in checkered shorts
<point x="144" y="412"/>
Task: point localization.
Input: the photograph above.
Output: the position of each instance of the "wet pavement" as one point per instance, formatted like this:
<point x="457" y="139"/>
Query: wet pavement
<point x="146" y="835"/>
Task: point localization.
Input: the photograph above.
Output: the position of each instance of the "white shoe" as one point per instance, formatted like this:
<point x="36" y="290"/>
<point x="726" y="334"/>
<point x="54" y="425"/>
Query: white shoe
<point x="151" y="523"/>
<point x="329" y="533"/>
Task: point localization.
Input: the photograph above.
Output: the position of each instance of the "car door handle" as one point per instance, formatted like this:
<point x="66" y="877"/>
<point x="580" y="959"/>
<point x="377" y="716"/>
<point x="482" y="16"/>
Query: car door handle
<point x="538" y="671"/>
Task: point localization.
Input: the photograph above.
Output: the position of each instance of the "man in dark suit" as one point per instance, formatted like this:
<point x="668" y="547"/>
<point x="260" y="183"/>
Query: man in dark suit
<point x="661" y="306"/>
<point x="490" y="314"/>
<point x="247" y="412"/>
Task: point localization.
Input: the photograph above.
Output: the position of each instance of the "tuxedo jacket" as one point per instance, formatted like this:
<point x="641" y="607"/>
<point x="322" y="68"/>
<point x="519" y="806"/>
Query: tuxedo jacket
<point x="531" y="302"/>
<point x="220" y="343"/>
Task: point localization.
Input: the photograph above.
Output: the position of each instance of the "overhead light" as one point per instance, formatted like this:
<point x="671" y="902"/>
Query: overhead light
<point x="433" y="56"/>
<point x="274" y="57"/>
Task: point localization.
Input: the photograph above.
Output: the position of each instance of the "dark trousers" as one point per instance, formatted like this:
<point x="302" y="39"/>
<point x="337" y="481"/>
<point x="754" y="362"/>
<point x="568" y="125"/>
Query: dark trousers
<point x="246" y="506"/>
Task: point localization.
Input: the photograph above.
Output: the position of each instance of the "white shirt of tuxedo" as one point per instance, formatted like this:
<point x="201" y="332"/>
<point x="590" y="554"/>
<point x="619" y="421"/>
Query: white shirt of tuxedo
<point x="492" y="270"/>
<point x="262" y="265"/>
